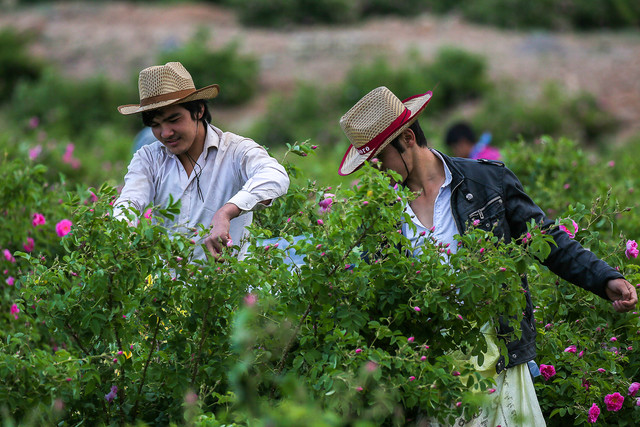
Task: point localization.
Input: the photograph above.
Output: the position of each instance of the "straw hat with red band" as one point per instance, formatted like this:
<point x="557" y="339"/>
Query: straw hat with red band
<point x="376" y="120"/>
<point x="163" y="85"/>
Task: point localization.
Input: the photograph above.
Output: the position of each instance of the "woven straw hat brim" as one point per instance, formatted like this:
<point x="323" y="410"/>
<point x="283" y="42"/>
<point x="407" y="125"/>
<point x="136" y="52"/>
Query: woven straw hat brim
<point x="206" y="92"/>
<point x="352" y="160"/>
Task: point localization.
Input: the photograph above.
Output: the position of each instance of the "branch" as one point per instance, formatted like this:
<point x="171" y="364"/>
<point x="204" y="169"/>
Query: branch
<point x="287" y="347"/>
<point x="146" y="365"/>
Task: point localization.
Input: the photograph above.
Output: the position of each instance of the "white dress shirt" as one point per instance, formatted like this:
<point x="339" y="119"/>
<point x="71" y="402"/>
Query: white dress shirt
<point x="234" y="170"/>
<point x="444" y="225"/>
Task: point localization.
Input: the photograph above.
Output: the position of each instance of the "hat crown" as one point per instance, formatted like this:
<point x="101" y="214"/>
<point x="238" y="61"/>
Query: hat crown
<point x="371" y="116"/>
<point x="164" y="79"/>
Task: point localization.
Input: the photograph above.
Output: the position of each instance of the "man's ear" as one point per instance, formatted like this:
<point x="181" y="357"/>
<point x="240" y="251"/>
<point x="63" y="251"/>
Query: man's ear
<point x="408" y="137"/>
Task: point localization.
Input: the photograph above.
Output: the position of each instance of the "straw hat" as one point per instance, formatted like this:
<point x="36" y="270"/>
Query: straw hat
<point x="163" y="85"/>
<point x="374" y="122"/>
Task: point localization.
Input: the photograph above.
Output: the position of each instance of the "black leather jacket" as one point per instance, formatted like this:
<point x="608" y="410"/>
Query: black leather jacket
<point x="488" y="191"/>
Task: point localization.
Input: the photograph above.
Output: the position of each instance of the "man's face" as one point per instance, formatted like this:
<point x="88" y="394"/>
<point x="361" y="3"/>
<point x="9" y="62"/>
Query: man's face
<point x="174" y="127"/>
<point x="390" y="158"/>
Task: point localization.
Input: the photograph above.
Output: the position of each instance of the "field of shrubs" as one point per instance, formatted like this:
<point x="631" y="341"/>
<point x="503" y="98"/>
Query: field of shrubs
<point x="103" y="323"/>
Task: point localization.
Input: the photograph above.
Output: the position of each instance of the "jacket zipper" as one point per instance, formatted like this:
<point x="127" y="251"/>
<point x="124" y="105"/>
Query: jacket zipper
<point x="480" y="212"/>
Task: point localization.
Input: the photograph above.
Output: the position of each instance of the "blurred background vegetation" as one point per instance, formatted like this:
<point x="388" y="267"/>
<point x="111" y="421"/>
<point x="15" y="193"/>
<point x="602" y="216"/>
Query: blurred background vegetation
<point x="42" y="109"/>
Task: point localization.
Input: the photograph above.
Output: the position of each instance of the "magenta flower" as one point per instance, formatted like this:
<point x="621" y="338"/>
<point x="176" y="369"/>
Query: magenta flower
<point x="632" y="249"/>
<point x="633" y="389"/>
<point x="547" y="371"/>
<point x="28" y="247"/>
<point x="371" y="366"/>
<point x="594" y="412"/>
<point x="15" y="310"/>
<point x="491" y="390"/>
<point x="359" y="388"/>
<point x="10" y="280"/>
<point x="570" y="349"/>
<point x="112" y="394"/>
<point x="601" y="370"/>
<point x="423" y="358"/>
<point x="63" y="227"/>
<point x="325" y="204"/>
<point x="320" y="222"/>
<point x="35" y="152"/>
<point x="148" y="213"/>
<point x="476" y="222"/>
<point x="412" y="378"/>
<point x="38" y="219"/>
<point x="410" y="339"/>
<point x="571" y="233"/>
<point x="8" y="256"/>
<point x="358" y="350"/>
<point x="614" y="401"/>
<point x="417" y="309"/>
<point x="455" y="373"/>
<point x="250" y="299"/>
<point x="34" y="121"/>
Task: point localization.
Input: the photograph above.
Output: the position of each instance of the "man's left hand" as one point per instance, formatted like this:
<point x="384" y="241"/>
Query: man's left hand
<point x="623" y="294"/>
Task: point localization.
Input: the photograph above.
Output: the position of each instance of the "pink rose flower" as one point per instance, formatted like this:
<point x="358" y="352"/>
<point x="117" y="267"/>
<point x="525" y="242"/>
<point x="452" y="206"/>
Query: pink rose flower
<point x="614" y="401"/>
<point x="148" y="213"/>
<point x="573" y="233"/>
<point x="412" y="378"/>
<point x="491" y="390"/>
<point x="633" y="389"/>
<point x="594" y="412"/>
<point x="417" y="309"/>
<point x="320" y="222"/>
<point x="250" y="300"/>
<point x="28" y="247"/>
<point x="8" y="256"/>
<point x="632" y="249"/>
<point x="325" y="204"/>
<point x="35" y="152"/>
<point x="15" y="310"/>
<point x="547" y="371"/>
<point x="570" y="349"/>
<point x="601" y="370"/>
<point x="63" y="227"/>
<point x="38" y="219"/>
<point x="410" y="339"/>
<point x="10" y="280"/>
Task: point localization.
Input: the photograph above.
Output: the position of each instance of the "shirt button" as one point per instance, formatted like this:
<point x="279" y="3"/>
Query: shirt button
<point x="469" y="196"/>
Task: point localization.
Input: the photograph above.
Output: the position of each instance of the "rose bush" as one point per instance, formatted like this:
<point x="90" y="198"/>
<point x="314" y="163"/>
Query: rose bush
<point x="107" y="323"/>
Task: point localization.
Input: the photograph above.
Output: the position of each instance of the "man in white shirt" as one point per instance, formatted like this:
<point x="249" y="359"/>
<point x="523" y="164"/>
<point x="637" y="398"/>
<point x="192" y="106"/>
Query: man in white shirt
<point x="219" y="177"/>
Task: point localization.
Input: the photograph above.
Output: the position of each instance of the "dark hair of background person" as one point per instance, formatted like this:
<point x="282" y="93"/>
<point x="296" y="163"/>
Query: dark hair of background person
<point x="458" y="132"/>
<point x="192" y="106"/>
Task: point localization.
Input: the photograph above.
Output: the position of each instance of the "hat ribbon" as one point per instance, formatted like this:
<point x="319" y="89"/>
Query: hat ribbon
<point x="371" y="145"/>
<point x="166" y="97"/>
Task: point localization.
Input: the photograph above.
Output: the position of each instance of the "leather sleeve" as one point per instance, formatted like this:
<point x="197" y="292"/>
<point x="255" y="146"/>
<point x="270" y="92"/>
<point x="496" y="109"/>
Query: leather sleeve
<point x="569" y="260"/>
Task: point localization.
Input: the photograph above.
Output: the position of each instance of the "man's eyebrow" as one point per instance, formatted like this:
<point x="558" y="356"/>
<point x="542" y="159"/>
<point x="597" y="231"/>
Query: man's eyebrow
<point x="164" y="119"/>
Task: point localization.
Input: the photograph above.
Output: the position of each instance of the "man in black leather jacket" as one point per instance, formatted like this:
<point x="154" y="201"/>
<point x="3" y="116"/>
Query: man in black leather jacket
<point x="481" y="192"/>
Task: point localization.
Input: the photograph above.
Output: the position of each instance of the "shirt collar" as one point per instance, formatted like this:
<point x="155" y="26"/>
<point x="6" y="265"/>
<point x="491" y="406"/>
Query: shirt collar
<point x="447" y="172"/>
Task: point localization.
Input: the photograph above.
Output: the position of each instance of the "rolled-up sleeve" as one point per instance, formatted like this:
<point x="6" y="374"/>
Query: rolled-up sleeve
<point x="265" y="178"/>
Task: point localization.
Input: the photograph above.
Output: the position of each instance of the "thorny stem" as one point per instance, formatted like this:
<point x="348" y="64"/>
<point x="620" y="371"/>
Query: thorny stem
<point x="146" y="365"/>
<point x="196" y="365"/>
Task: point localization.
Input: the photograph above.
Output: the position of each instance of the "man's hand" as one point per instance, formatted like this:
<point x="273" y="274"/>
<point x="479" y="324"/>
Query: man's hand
<point x="221" y="223"/>
<point x="623" y="294"/>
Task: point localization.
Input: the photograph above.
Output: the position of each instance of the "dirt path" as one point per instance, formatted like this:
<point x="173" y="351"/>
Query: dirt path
<point x="120" y="38"/>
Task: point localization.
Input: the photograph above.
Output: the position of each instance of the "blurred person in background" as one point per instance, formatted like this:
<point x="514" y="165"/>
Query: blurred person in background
<point x="218" y="177"/>
<point x="453" y="194"/>
<point x="462" y="142"/>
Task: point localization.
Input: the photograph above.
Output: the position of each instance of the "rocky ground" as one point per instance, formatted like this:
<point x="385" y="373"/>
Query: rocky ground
<point x="118" y="38"/>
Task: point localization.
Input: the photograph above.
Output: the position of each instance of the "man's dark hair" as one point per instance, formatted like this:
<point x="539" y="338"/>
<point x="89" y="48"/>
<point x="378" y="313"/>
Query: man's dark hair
<point x="193" y="107"/>
<point x="421" y="140"/>
<point x="459" y="131"/>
